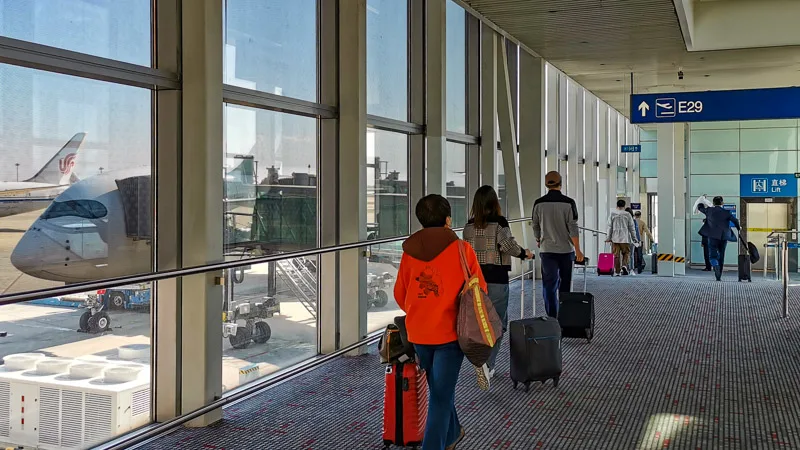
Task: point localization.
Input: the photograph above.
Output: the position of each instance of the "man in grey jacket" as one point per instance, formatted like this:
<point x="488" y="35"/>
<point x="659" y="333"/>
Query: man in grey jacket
<point x="555" y="227"/>
<point x="621" y="235"/>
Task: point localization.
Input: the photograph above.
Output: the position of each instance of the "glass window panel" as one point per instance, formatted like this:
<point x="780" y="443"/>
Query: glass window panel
<point x="768" y="162"/>
<point x="732" y="125"/>
<point x="715" y="141"/>
<point x="270" y="165"/>
<point x="715" y="163"/>
<point x="648" y="168"/>
<point x="456" y="68"/>
<point x="766" y="139"/>
<point x="387" y="184"/>
<point x="697" y="253"/>
<point x="725" y="185"/>
<point x="118" y="29"/>
<point x="648" y="135"/>
<point x="387" y="58"/>
<point x="279" y="328"/>
<point x="696" y="223"/>
<point x="381" y="275"/>
<point x="456" y="179"/>
<point x="782" y="123"/>
<point x="85" y="144"/>
<point x="649" y="150"/>
<point x="271" y="46"/>
<point x="501" y="181"/>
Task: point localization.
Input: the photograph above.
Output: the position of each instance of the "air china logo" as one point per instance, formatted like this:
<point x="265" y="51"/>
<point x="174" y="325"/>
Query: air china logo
<point x="66" y="163"/>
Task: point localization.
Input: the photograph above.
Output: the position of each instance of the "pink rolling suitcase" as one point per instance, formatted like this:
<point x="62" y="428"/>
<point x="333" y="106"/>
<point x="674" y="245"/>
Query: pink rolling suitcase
<point x="605" y="264"/>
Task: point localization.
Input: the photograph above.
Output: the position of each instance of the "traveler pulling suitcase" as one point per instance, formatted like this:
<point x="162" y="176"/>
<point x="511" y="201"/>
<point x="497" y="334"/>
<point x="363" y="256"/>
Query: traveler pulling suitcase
<point x="535" y="345"/>
<point x="405" y="404"/>
<point x="744" y="260"/>
<point x="576" y="312"/>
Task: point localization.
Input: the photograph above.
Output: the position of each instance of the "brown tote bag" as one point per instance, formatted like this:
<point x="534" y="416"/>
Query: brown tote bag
<point x="478" y="326"/>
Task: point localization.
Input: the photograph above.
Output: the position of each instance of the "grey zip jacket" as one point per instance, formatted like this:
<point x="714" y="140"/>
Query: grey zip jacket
<point x="621" y="229"/>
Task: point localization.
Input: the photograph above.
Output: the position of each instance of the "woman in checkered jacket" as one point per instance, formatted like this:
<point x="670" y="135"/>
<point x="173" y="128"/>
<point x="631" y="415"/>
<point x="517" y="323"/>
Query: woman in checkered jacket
<point x="489" y="234"/>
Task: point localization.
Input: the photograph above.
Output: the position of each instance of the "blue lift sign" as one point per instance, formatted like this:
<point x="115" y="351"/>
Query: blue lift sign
<point x="771" y="185"/>
<point x="631" y="148"/>
<point x="712" y="106"/>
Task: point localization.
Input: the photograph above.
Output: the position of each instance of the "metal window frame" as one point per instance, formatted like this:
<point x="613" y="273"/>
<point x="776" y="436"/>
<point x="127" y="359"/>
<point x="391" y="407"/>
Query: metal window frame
<point x="66" y="62"/>
<point x="264" y="100"/>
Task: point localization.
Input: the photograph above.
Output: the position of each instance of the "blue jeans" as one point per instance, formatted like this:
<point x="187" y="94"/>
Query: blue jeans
<point x="499" y="295"/>
<point x="556" y="277"/>
<point x="442" y="364"/>
<point x="716" y="251"/>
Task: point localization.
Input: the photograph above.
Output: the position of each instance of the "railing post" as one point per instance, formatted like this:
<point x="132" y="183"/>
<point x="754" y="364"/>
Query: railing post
<point x="785" y="274"/>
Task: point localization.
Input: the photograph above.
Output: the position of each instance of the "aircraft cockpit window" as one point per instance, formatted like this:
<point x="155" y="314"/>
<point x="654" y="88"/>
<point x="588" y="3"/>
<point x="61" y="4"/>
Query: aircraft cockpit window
<point x="85" y="209"/>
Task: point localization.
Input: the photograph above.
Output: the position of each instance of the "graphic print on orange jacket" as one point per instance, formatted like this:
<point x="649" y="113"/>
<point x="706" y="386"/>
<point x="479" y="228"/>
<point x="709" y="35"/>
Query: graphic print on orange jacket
<point x="429" y="282"/>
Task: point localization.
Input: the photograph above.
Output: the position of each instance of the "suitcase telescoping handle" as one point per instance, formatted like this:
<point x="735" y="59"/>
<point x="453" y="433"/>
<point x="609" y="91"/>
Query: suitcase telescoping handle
<point x="522" y="287"/>
<point x="585" y="265"/>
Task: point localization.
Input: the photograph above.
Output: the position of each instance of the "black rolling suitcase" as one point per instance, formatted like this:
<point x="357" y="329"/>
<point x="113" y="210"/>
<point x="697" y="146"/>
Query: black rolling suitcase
<point x="535" y="347"/>
<point x="576" y="312"/>
<point x="744" y="260"/>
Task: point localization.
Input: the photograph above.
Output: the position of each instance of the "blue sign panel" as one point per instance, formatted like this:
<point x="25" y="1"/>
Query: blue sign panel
<point x="636" y="206"/>
<point x="631" y="149"/>
<point x="793" y="244"/>
<point x="752" y="104"/>
<point x="772" y="185"/>
<point x="732" y="209"/>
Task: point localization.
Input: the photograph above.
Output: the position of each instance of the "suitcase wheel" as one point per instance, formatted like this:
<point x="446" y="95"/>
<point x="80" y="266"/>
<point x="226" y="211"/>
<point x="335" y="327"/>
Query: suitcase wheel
<point x="527" y="386"/>
<point x="515" y="385"/>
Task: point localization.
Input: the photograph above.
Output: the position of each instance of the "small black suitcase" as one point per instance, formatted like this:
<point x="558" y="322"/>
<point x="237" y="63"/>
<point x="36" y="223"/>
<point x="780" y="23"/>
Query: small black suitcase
<point x="744" y="260"/>
<point x="535" y="348"/>
<point x="576" y="313"/>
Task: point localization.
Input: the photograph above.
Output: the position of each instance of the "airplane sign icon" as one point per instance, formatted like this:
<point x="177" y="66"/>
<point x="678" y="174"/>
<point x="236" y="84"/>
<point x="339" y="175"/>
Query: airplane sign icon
<point x="665" y="107"/>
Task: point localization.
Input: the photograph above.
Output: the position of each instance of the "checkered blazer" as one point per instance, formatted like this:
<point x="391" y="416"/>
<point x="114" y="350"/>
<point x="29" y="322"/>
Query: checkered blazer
<point x="494" y="244"/>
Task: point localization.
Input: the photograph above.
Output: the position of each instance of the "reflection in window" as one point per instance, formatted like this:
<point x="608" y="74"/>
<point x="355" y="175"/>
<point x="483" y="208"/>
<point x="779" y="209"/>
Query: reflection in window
<point x="456" y="181"/>
<point x="84" y="209"/>
<point x="387" y="58"/>
<point x="107" y="130"/>
<point x="270" y="180"/>
<point x="387" y="184"/>
<point x="270" y="46"/>
<point x="381" y="275"/>
<point x="456" y="64"/>
<point x="118" y="29"/>
<point x="501" y="183"/>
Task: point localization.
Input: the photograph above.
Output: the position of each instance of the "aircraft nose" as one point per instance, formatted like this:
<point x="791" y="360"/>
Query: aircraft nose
<point x="28" y="254"/>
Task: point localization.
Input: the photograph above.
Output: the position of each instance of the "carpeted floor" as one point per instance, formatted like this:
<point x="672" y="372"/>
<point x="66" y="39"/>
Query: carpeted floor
<point x="683" y="363"/>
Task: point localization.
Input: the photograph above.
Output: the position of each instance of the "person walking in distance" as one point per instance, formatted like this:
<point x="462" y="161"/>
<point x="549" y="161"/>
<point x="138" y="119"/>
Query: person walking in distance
<point x="490" y="236"/>
<point x="555" y="227"/>
<point x="621" y="234"/>
<point x="644" y="230"/>
<point x="717" y="229"/>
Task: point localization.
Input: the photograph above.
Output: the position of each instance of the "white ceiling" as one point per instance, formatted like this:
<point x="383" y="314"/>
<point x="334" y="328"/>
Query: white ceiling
<point x="600" y="42"/>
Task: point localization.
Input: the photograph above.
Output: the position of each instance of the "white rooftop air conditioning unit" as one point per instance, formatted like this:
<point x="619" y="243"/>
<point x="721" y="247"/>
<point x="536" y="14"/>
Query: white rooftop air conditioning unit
<point x="56" y="403"/>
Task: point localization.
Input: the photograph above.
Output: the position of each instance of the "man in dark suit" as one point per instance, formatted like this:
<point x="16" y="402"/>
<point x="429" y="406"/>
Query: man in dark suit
<point x="706" y="258"/>
<point x="717" y="230"/>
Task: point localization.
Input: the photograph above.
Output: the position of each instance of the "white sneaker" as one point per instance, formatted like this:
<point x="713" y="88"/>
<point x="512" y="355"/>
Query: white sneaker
<point x="484" y="375"/>
<point x="616" y="274"/>
<point x="625" y="271"/>
<point x="491" y="374"/>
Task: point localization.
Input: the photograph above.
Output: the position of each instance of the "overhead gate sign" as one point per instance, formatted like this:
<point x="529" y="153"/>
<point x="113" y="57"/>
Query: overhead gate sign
<point x="716" y="106"/>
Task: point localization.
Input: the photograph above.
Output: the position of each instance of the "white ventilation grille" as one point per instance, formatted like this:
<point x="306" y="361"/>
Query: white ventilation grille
<point x="72" y="418"/>
<point x="5" y="408"/>
<point x="99" y="407"/>
<point x="140" y="402"/>
<point x="49" y="410"/>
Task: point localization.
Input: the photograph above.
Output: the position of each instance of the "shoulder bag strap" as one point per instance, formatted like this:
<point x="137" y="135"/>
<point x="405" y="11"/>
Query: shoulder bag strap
<point x="463" y="257"/>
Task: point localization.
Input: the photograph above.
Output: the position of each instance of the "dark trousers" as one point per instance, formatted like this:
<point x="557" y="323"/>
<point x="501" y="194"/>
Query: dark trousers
<point x="716" y="251"/>
<point x="442" y="364"/>
<point x="706" y="255"/>
<point x="556" y="277"/>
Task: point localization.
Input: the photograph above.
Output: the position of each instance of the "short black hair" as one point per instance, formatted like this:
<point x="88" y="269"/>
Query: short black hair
<point x="718" y="201"/>
<point x="433" y="211"/>
<point x="620" y="203"/>
<point x="637" y="213"/>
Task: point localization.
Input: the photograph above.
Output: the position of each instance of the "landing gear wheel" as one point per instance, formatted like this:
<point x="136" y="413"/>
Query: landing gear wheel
<point x="381" y="299"/>
<point x="116" y="300"/>
<point x="99" y="322"/>
<point x="262" y="333"/>
<point x="241" y="339"/>
<point x="555" y="382"/>
<point x="83" y="322"/>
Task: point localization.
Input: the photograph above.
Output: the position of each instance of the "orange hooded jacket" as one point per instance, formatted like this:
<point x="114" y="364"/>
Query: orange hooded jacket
<point x="429" y="282"/>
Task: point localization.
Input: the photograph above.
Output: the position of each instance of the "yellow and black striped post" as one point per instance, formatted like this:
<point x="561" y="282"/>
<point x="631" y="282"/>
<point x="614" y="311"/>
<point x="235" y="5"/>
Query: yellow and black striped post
<point x="671" y="258"/>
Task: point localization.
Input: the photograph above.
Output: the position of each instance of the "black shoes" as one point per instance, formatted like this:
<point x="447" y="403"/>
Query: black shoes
<point x="718" y="273"/>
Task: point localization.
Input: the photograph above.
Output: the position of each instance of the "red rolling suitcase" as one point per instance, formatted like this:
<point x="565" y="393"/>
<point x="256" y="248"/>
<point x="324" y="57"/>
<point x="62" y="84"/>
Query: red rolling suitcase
<point x="405" y="405"/>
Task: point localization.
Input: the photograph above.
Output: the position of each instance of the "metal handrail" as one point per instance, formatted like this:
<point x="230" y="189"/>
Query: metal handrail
<point x="155" y="430"/>
<point x="592" y="230"/>
<point x="77" y="288"/>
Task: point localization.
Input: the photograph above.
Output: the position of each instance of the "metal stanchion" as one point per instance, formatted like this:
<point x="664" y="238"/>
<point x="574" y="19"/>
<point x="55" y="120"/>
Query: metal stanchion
<point x="785" y="274"/>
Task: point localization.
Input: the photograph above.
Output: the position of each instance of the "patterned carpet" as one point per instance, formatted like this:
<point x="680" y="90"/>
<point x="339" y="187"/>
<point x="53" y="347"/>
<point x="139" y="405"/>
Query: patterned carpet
<point x="683" y="363"/>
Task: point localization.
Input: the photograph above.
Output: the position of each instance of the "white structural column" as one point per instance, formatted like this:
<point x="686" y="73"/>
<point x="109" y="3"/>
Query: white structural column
<point x="561" y="163"/>
<point x="508" y="142"/>
<point x="436" y="95"/>
<point x="679" y="195"/>
<point x="591" y="199"/>
<point x="666" y="196"/>
<point x="575" y="146"/>
<point x="603" y="205"/>
<point x="531" y="131"/>
<point x="202" y="211"/>
<point x="489" y="170"/>
<point x="634" y="132"/>
<point x="551" y="119"/>
<point x="352" y="265"/>
<point x="613" y="155"/>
